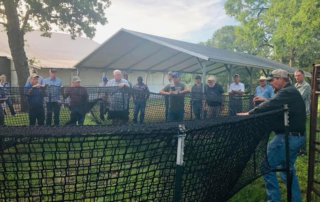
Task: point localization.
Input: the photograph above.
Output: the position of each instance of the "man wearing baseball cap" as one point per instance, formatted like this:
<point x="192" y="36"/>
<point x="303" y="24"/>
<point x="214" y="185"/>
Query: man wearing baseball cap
<point x="35" y="94"/>
<point x="264" y="91"/>
<point x="40" y="80"/>
<point x="276" y="156"/>
<point x="236" y="90"/>
<point x="53" y="87"/>
<point x="176" y="92"/>
<point x="78" y="101"/>
<point x="197" y="97"/>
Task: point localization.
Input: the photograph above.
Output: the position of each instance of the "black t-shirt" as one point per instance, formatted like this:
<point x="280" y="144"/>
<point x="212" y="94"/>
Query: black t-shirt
<point x="213" y="95"/>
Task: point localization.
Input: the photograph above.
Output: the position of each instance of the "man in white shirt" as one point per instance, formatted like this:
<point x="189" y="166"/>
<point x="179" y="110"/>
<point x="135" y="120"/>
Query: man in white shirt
<point x="236" y="90"/>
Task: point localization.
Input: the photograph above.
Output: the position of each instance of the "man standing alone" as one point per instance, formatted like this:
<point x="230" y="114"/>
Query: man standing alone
<point x="276" y="151"/>
<point x="53" y="85"/>
<point x="140" y="97"/>
<point x="176" y="92"/>
<point x="305" y="90"/>
<point x="197" y="97"/>
<point x="236" y="91"/>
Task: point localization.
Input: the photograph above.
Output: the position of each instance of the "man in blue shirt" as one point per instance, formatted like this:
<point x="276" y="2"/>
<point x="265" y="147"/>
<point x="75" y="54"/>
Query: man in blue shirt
<point x="35" y="94"/>
<point x="53" y="87"/>
<point x="264" y="91"/>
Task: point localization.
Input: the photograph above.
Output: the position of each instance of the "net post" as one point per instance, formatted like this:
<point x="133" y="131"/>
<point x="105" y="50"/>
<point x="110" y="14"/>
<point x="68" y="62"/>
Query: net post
<point x="179" y="164"/>
<point x="288" y="170"/>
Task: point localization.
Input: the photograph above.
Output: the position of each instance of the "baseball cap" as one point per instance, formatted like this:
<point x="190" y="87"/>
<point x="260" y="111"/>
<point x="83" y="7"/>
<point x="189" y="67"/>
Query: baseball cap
<point x="76" y="79"/>
<point x="169" y="72"/>
<point x="175" y="74"/>
<point x="236" y="75"/>
<point x="125" y="74"/>
<point x="53" y="70"/>
<point x="34" y="76"/>
<point x="278" y="73"/>
<point x="140" y="78"/>
<point x="105" y="79"/>
<point x="198" y="77"/>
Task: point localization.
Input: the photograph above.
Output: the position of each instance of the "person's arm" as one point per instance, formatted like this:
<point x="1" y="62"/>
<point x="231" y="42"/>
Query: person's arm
<point x="282" y="98"/>
<point x="165" y="90"/>
<point x="306" y="92"/>
<point x="186" y="90"/>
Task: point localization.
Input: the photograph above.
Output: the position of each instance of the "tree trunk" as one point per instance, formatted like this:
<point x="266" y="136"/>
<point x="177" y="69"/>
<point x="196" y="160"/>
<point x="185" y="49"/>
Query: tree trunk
<point x="292" y="58"/>
<point x="16" y="42"/>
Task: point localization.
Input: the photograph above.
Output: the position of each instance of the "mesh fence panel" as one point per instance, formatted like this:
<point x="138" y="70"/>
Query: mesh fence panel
<point x="133" y="163"/>
<point x="95" y="105"/>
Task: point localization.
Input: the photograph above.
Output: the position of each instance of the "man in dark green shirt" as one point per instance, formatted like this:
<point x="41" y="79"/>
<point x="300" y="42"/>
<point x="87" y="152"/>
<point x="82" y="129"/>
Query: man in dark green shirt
<point x="176" y="91"/>
<point x="287" y="94"/>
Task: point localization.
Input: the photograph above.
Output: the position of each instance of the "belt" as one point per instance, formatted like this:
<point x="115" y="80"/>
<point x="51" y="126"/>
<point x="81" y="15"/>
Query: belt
<point x="293" y="134"/>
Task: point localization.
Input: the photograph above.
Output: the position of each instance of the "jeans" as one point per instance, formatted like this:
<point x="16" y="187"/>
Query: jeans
<point x="197" y="108"/>
<point x="140" y="106"/>
<point x="55" y="108"/>
<point x="10" y="105"/>
<point x="175" y="115"/>
<point x="276" y="154"/>
<point x="78" y="114"/>
<point x="214" y="111"/>
<point x="36" y="113"/>
<point x="103" y="110"/>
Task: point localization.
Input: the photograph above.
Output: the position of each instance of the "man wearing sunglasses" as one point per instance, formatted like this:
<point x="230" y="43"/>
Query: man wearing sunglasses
<point x="276" y="152"/>
<point x="176" y="91"/>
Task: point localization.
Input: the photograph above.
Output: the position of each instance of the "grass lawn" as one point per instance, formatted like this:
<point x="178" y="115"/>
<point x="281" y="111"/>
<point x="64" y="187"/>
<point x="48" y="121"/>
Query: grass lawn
<point x="256" y="192"/>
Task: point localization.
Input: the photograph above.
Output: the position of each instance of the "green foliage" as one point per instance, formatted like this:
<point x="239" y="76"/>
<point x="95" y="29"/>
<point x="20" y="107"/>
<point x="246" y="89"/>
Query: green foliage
<point x="76" y="17"/>
<point x="282" y="30"/>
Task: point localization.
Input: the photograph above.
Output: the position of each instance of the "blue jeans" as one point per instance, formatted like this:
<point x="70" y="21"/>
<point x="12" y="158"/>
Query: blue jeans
<point x="276" y="155"/>
<point x="197" y="108"/>
<point x="55" y="108"/>
<point x="175" y="116"/>
<point x="140" y="106"/>
<point x="36" y="113"/>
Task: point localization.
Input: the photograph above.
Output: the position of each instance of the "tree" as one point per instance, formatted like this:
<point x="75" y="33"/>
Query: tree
<point x="76" y="17"/>
<point x="280" y="27"/>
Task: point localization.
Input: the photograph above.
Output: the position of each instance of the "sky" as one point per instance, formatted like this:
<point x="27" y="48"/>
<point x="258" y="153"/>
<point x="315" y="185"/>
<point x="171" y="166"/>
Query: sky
<point x="186" y="20"/>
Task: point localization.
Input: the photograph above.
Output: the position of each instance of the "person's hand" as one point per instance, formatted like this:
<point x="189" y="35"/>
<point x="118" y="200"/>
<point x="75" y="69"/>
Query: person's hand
<point x="37" y="86"/>
<point x="243" y="114"/>
<point x="122" y="85"/>
<point x="259" y="99"/>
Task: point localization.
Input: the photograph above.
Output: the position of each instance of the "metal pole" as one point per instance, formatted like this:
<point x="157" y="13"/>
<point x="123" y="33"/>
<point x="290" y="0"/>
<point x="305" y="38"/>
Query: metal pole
<point x="288" y="170"/>
<point x="179" y="168"/>
<point x="251" y="79"/>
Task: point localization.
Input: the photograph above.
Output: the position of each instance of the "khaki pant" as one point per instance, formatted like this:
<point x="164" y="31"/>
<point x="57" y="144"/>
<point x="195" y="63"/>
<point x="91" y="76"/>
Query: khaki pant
<point x="214" y="111"/>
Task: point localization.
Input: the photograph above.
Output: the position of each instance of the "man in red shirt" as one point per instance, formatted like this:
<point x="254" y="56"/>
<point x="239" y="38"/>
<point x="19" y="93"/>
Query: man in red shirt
<point x="78" y="100"/>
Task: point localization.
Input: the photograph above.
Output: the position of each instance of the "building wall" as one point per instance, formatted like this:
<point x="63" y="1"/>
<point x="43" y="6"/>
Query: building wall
<point x="5" y="68"/>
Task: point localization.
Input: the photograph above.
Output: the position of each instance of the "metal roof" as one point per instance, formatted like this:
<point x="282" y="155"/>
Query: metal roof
<point x="59" y="51"/>
<point x="134" y="51"/>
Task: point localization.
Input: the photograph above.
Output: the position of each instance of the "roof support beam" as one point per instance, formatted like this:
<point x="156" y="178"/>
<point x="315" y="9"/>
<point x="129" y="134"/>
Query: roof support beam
<point x="143" y="59"/>
<point x="125" y="54"/>
<point x="188" y="67"/>
<point x="264" y="72"/>
<point x="189" y="58"/>
<point x="163" y="61"/>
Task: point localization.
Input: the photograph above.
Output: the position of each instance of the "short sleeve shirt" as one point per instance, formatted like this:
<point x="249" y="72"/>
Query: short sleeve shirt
<point x="176" y="102"/>
<point x="118" y="99"/>
<point x="236" y="87"/>
<point x="143" y="88"/>
<point x="266" y="93"/>
<point x="214" y="95"/>
<point x="53" y="88"/>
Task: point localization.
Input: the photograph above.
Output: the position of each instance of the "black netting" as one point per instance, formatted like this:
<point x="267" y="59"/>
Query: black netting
<point x="98" y="106"/>
<point x="100" y="162"/>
